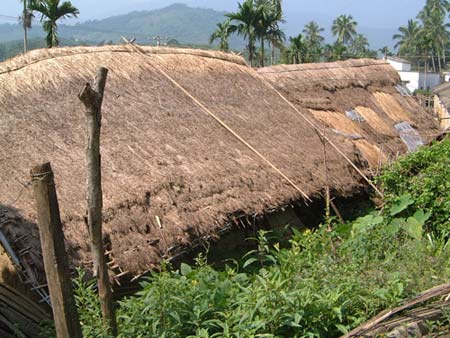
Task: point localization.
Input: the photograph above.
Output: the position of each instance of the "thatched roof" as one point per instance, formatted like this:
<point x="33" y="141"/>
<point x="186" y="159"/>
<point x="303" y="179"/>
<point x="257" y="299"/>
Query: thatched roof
<point x="443" y="91"/>
<point x="171" y="173"/>
<point x="361" y="99"/>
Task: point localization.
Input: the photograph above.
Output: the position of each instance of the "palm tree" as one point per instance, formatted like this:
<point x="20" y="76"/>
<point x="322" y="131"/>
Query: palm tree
<point x="385" y="51"/>
<point x="435" y="29"/>
<point x="359" y="46"/>
<point x="344" y="28"/>
<point x="265" y="19"/>
<point x="27" y="19"/>
<point x="298" y="49"/>
<point x="51" y="11"/>
<point x="407" y="38"/>
<point x="276" y="37"/>
<point x="275" y="34"/>
<point x="314" y="40"/>
<point x="222" y="34"/>
<point x="243" y="23"/>
<point x="313" y="33"/>
<point x="441" y="6"/>
<point x="336" y="51"/>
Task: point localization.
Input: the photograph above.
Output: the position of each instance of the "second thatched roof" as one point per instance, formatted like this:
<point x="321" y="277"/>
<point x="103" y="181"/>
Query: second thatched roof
<point x="362" y="99"/>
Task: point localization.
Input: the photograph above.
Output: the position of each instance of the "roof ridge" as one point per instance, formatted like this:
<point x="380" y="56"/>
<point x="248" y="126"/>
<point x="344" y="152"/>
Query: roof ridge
<point x="40" y="55"/>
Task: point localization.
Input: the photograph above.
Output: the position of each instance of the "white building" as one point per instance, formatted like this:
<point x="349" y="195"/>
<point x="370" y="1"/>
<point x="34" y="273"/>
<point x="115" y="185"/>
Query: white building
<point x="416" y="80"/>
<point x="399" y="64"/>
<point x="412" y="79"/>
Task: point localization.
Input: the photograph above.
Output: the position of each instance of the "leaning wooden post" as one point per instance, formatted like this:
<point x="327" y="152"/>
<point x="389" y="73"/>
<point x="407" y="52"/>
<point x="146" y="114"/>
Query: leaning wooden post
<point x="92" y="98"/>
<point x="56" y="265"/>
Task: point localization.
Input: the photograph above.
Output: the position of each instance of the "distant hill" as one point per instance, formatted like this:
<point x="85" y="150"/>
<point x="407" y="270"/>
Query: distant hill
<point x="185" y="24"/>
<point x="15" y="47"/>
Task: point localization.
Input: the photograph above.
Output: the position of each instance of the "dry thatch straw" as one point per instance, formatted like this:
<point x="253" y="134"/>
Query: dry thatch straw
<point x="171" y="174"/>
<point x="363" y="86"/>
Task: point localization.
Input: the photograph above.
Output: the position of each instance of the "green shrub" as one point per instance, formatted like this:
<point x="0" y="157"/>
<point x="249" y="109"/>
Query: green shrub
<point x="423" y="175"/>
<point x="325" y="284"/>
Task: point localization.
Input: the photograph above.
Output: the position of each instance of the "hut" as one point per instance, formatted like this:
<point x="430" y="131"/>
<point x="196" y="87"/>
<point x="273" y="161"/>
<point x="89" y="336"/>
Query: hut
<point x="442" y="104"/>
<point x="195" y="144"/>
<point x="362" y="100"/>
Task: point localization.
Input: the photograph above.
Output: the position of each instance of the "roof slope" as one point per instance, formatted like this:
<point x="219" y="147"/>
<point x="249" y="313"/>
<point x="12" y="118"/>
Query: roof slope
<point x="360" y="99"/>
<point x="163" y="157"/>
<point x="443" y="91"/>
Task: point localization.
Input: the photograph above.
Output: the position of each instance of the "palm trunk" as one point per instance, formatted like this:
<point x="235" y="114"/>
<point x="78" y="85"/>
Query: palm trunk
<point x="444" y="57"/>
<point x="433" y="62"/>
<point x="273" y="53"/>
<point x="25" y="39"/>
<point x="25" y="29"/>
<point x="262" y="52"/>
<point x="439" y="62"/>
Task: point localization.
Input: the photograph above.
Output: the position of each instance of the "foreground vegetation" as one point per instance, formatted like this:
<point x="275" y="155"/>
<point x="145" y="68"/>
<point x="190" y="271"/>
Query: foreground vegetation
<point x="328" y="281"/>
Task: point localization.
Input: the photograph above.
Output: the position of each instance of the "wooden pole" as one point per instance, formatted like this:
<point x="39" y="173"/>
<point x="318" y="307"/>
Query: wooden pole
<point x="54" y="252"/>
<point x="92" y="98"/>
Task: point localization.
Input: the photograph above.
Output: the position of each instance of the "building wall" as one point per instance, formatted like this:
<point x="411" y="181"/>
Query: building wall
<point x="416" y="80"/>
<point x="400" y="66"/>
<point x="442" y="113"/>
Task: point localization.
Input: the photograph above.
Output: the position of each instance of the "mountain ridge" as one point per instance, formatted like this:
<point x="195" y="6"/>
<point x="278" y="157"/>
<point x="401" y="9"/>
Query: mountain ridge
<point x="185" y="24"/>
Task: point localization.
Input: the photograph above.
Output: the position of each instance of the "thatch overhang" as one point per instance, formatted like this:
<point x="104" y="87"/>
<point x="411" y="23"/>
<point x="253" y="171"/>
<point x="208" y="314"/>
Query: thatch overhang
<point x="171" y="174"/>
<point x="362" y="99"/>
<point x="443" y="92"/>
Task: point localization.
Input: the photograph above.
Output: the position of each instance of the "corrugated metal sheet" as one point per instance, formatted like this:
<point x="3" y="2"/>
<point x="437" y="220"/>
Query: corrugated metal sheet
<point x="354" y="116"/>
<point x="403" y="90"/>
<point x="409" y="136"/>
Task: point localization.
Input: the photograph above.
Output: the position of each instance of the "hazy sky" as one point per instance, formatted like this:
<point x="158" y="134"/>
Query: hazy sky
<point x="373" y="14"/>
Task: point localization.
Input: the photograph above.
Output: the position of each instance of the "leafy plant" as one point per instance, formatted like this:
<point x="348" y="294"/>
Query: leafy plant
<point x="422" y="179"/>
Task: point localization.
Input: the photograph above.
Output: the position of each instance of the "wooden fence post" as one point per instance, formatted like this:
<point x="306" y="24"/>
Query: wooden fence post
<point x="92" y="98"/>
<point x="56" y="265"/>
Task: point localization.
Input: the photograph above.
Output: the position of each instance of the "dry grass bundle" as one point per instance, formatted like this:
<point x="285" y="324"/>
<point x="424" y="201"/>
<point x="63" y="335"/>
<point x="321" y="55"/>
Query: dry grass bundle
<point x="392" y="107"/>
<point x="377" y="122"/>
<point x="337" y="121"/>
<point x="8" y="274"/>
<point x="372" y="153"/>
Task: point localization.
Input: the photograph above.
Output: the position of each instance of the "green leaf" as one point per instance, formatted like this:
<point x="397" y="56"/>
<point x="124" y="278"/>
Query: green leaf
<point x="402" y="204"/>
<point x="421" y="216"/>
<point x="395" y="225"/>
<point x="414" y="228"/>
<point x="185" y="269"/>
<point x="342" y="328"/>
<point x="362" y="224"/>
<point x="249" y="261"/>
